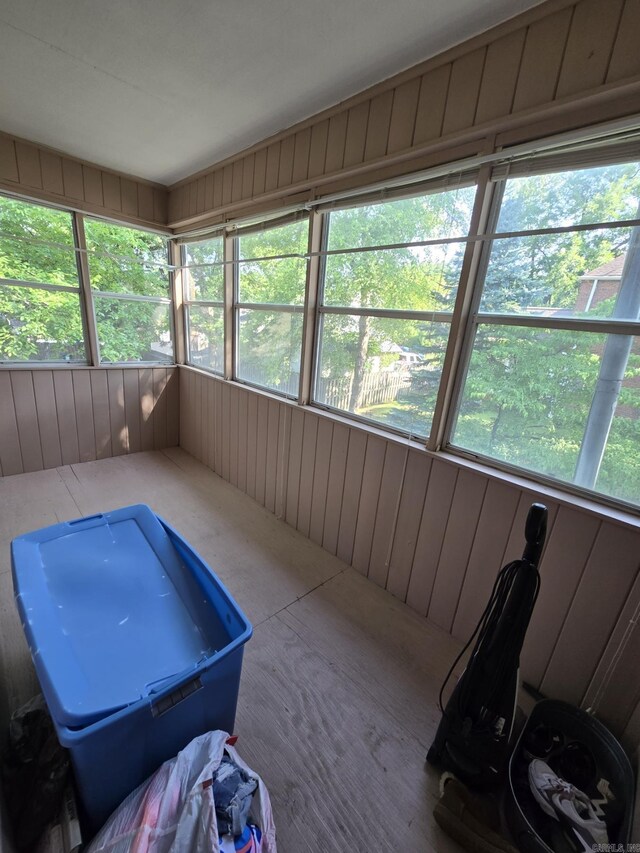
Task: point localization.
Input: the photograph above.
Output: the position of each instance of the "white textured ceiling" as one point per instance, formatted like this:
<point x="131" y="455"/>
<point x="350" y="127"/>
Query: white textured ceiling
<point x="161" y="89"/>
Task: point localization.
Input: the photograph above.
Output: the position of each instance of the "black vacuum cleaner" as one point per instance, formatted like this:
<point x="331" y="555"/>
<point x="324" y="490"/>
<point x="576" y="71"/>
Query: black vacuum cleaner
<point x="474" y="738"/>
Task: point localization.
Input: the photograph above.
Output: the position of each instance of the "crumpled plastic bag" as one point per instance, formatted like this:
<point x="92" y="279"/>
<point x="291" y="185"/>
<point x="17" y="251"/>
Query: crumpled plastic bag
<point x="174" y="810"/>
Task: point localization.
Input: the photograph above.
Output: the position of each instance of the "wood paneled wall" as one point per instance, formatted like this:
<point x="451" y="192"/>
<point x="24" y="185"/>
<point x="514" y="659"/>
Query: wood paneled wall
<point x="434" y="531"/>
<point x="568" y="63"/>
<point x="62" y="416"/>
<point x="41" y="173"/>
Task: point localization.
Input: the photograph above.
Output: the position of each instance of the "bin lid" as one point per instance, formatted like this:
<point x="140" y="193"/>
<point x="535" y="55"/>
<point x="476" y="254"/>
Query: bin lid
<point x="103" y="617"/>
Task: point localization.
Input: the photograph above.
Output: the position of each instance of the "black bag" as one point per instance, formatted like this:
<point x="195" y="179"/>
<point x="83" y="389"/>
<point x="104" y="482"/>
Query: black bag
<point x="34" y="772"/>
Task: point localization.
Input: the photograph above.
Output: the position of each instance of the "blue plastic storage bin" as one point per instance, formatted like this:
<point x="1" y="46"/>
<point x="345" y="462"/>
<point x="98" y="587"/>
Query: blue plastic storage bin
<point x="136" y="643"/>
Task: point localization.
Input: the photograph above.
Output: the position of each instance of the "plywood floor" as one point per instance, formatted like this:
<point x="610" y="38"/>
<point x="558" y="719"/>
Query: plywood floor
<point x="338" y="699"/>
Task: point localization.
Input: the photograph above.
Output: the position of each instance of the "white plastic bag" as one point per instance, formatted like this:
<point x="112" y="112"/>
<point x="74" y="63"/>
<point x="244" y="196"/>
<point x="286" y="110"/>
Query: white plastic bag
<point x="174" y="809"/>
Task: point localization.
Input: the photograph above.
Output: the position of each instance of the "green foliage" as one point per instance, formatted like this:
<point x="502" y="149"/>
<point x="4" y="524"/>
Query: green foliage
<point x="204" y="278"/>
<point x="544" y="270"/>
<point x="37" y="323"/>
<point x="269" y="342"/>
<point x="412" y="278"/>
<point x="40" y="325"/>
<point x="126" y="260"/>
<point x="126" y="330"/>
<point x="204" y="281"/>
<point x="419" y="278"/>
<point x="279" y="280"/>
<point x="37" y="245"/>
<point x="528" y="392"/>
<point x="206" y="337"/>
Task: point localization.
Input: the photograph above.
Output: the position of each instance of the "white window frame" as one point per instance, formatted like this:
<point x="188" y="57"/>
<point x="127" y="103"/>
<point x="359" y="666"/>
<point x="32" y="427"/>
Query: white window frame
<point x="476" y="318"/>
<point x="589" y="147"/>
<point x="202" y="303"/>
<point x="238" y="304"/>
<point x="91" y="293"/>
<point x="62" y="288"/>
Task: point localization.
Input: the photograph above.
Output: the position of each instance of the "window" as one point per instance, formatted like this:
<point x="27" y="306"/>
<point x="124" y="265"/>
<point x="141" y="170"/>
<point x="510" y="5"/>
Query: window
<point x="553" y="380"/>
<point x="129" y="275"/>
<point x="40" y="307"/>
<point x="271" y="281"/>
<point x="387" y="304"/>
<point x="204" y="303"/>
<point x="544" y="376"/>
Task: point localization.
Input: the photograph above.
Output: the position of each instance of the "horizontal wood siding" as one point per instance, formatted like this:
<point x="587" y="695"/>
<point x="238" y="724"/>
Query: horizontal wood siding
<point x="61" y="416"/>
<point x="554" y="59"/>
<point x="40" y="173"/>
<point x="434" y="533"/>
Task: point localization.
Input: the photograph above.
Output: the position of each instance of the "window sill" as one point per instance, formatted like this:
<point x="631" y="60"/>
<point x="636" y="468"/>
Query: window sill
<point x="603" y="508"/>
<point x="65" y="365"/>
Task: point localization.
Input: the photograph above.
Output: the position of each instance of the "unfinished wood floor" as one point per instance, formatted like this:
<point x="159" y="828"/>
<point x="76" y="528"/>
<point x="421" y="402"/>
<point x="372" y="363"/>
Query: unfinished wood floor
<point x="338" y="699"/>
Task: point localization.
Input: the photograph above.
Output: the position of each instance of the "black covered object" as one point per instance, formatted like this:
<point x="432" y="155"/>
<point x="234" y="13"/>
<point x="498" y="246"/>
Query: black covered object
<point x="34" y="773"/>
<point x="581" y="751"/>
<point x="475" y="735"/>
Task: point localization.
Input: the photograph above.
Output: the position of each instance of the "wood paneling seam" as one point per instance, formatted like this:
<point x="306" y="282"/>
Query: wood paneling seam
<point x="282" y="501"/>
<point x="366" y="129"/>
<point x="570" y="606"/>
<point x="508" y="537"/>
<point x="255" y="461"/>
<point x="357" y="508"/>
<point x="55" y="400"/>
<point x="446" y="101"/>
<point x="313" y="471"/>
<point x="306" y="168"/>
<point x="15" y="417"/>
<point x="415" y="114"/>
<point x="605" y="644"/>
<point x="375" y="512"/>
<point x="109" y="411"/>
<point x="327" y="151"/>
<point x="394" y="524"/>
<point x="38" y="415"/>
<point x="466" y="568"/>
<point x="75" y="414"/>
<point x="344" y="483"/>
<point x="13" y="397"/>
<point x="441" y="545"/>
<point x="517" y="80"/>
<point x="484" y="65"/>
<point x="394" y="93"/>
<point x="564" y="51"/>
<point x="615" y="38"/>
<point x="326" y="490"/>
<point x="415" y="544"/>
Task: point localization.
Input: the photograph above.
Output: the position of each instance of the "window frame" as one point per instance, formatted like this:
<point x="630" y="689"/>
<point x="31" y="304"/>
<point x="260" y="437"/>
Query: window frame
<point x="237" y="305"/>
<point x="490" y="174"/>
<point x="496" y="184"/>
<point x="471" y="179"/>
<point x="86" y="292"/>
<point x="203" y="303"/>
<point x="39" y="285"/>
<point x="91" y="293"/>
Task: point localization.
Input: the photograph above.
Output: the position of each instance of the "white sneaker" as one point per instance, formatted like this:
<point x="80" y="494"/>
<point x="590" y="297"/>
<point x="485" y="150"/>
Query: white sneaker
<point x="567" y="804"/>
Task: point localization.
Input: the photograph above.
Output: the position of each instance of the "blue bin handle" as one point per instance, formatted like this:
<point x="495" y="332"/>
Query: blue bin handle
<point x="169" y="692"/>
<point x="85" y="520"/>
<point x="172" y="681"/>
